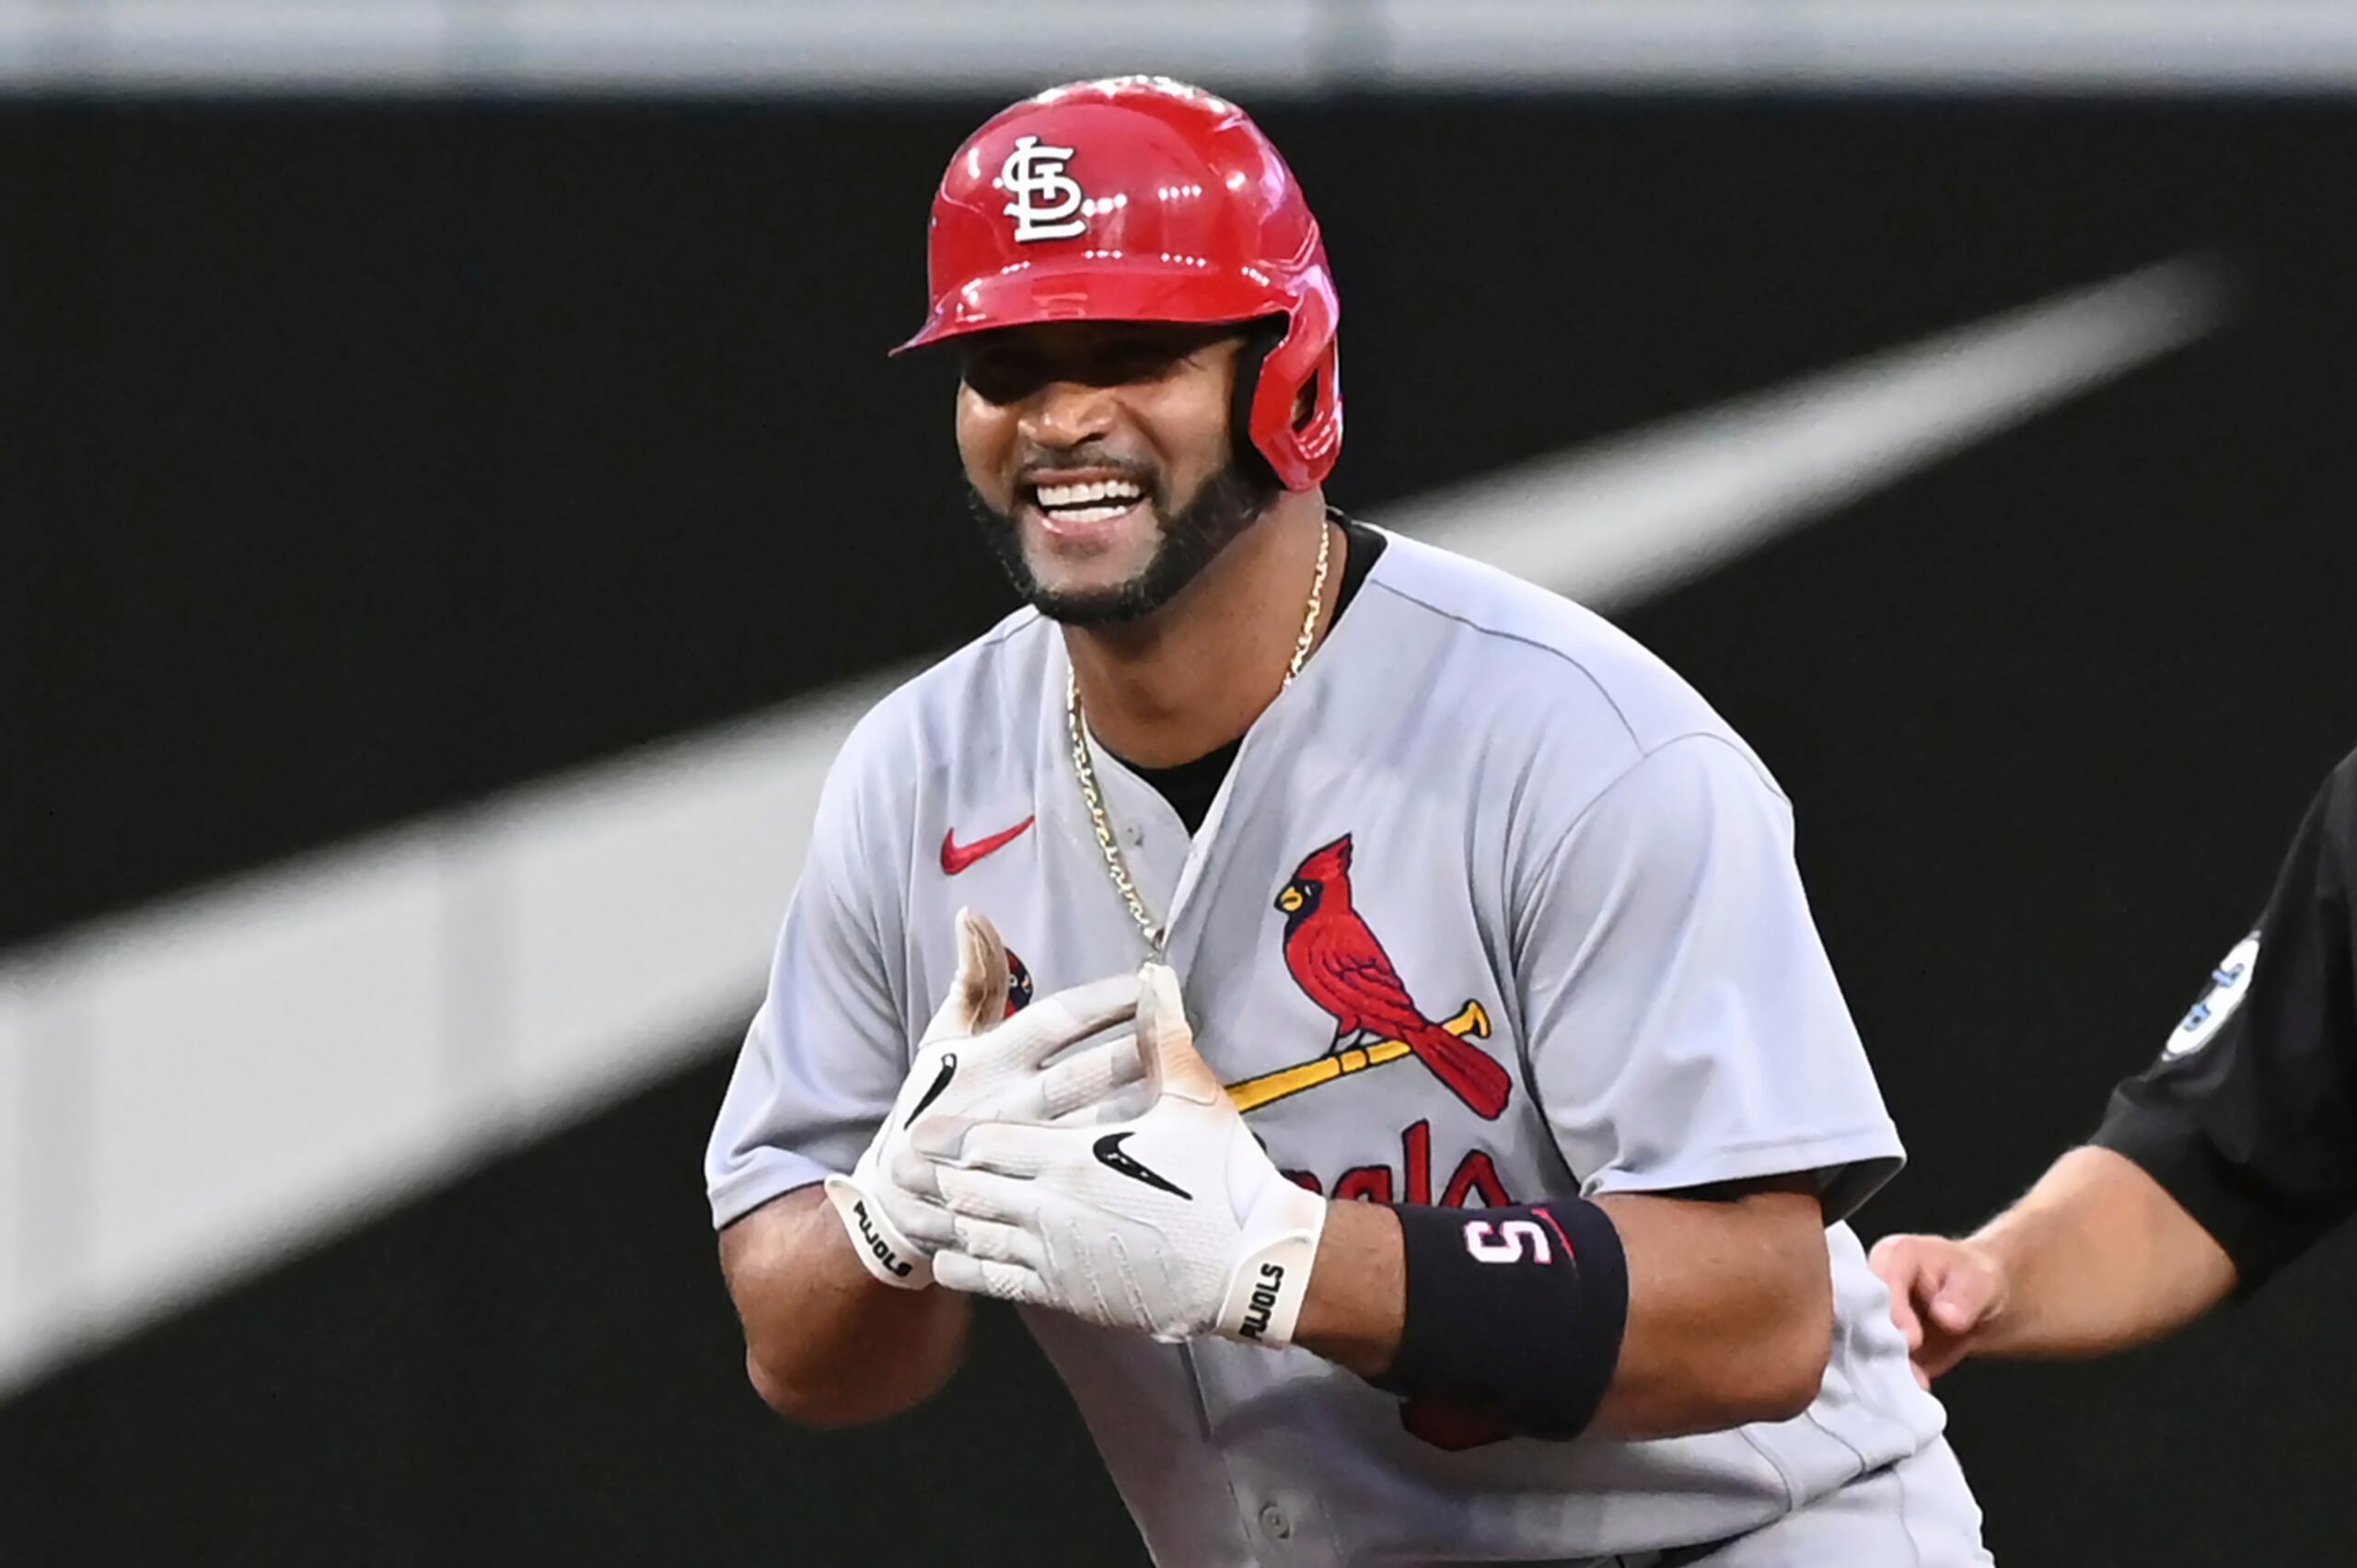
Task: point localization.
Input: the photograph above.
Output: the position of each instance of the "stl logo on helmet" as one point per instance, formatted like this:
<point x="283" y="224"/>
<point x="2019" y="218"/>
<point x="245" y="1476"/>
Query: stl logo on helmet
<point x="1046" y="200"/>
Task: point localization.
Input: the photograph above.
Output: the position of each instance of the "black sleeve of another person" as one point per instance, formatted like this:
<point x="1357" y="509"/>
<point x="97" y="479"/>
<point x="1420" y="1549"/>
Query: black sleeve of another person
<point x="2253" y="1128"/>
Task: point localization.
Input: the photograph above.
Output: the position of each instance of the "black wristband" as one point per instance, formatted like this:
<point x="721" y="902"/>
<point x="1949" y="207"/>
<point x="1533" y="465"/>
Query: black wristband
<point x="1514" y="1314"/>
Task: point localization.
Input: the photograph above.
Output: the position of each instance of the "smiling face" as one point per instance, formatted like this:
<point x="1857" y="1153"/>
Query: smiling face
<point x="1099" y="462"/>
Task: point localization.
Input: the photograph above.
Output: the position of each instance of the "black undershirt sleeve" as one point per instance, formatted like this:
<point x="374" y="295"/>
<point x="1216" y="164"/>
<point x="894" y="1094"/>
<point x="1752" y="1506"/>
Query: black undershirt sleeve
<point x="2249" y="1119"/>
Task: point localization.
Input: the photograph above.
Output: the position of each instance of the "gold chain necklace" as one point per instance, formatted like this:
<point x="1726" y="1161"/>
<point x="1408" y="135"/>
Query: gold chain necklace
<point x="1115" y="866"/>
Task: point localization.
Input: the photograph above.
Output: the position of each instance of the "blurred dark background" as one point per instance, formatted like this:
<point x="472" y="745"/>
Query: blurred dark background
<point x="369" y="457"/>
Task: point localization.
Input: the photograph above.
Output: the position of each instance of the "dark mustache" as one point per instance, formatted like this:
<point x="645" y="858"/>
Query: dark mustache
<point x="1038" y="462"/>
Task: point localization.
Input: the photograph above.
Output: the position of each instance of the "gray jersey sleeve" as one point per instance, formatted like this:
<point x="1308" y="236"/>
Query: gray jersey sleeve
<point x="1682" y="1021"/>
<point x="828" y="1050"/>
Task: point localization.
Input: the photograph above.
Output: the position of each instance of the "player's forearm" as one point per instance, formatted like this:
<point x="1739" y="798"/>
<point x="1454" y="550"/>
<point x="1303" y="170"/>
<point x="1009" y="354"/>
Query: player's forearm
<point x="1730" y="1308"/>
<point x="2098" y="1256"/>
<point x="1730" y="1312"/>
<point x="1357" y="1302"/>
<point x="825" y="1344"/>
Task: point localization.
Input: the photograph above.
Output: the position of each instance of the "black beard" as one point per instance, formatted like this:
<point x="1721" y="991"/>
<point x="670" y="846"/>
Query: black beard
<point x="1227" y="505"/>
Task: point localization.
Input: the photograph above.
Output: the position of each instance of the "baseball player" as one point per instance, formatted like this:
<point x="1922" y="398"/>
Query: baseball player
<point x="1399" y="1080"/>
<point x="2213" y="1167"/>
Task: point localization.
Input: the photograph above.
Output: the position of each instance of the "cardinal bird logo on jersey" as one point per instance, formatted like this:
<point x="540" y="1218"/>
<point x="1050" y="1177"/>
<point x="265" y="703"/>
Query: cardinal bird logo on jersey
<point x="1337" y="963"/>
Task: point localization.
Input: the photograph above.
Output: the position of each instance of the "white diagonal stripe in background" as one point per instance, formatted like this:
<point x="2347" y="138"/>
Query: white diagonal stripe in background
<point x="1611" y="524"/>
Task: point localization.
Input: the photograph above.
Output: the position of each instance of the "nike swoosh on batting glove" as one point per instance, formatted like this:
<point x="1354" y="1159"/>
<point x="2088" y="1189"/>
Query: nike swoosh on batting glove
<point x="974" y="1061"/>
<point x="1175" y="1223"/>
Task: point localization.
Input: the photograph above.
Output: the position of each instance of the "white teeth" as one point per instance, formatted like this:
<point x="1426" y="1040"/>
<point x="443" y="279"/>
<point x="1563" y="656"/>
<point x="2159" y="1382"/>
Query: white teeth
<point x="1119" y="491"/>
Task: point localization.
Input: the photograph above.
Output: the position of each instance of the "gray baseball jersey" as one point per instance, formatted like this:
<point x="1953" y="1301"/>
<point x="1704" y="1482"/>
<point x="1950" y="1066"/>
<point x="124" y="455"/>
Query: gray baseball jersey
<point x="1572" y="865"/>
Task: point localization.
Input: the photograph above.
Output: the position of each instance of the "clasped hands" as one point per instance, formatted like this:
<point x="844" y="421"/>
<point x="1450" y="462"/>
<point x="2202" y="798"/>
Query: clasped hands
<point x="1113" y="1180"/>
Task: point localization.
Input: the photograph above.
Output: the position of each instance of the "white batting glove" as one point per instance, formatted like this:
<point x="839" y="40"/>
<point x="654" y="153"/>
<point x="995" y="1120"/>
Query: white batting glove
<point x="1174" y="1222"/>
<point x="975" y="1063"/>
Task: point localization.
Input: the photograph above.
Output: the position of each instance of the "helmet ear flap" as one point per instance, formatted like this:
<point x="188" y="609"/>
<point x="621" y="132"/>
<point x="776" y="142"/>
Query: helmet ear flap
<point x="1261" y="340"/>
<point x="1289" y="359"/>
<point x="1299" y="444"/>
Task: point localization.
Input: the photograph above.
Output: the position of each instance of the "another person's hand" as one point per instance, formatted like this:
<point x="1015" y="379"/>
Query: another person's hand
<point x="1945" y="1295"/>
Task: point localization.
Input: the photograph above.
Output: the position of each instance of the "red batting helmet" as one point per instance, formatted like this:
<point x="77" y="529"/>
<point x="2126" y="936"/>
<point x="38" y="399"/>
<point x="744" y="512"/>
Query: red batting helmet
<point x="1142" y="199"/>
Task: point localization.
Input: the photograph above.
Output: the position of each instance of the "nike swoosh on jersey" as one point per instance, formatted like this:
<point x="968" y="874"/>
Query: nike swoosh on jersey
<point x="1112" y="1157"/>
<point x="956" y="857"/>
